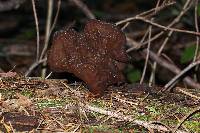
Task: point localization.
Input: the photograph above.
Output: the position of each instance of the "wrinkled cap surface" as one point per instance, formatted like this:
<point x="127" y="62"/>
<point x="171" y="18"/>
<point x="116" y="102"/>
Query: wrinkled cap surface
<point x="93" y="55"/>
<point x="108" y="38"/>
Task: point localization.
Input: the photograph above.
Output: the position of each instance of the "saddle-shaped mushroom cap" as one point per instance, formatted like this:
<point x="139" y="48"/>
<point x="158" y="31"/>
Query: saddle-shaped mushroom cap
<point x="93" y="55"/>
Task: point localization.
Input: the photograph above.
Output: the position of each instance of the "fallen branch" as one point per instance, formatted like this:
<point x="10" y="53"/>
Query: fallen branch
<point x="167" y="28"/>
<point x="33" y="66"/>
<point x="172" y="81"/>
<point x="173" y="68"/>
<point x="185" y="118"/>
<point x="182" y="90"/>
<point x="148" y="125"/>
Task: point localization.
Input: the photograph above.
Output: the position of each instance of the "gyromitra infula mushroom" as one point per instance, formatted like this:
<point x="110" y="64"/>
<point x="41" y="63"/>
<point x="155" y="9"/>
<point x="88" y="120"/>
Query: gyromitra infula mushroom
<point x="93" y="55"/>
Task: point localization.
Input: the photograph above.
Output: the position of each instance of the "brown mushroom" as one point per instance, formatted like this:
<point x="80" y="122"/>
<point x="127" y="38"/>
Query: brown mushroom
<point x="93" y="55"/>
<point x="107" y="38"/>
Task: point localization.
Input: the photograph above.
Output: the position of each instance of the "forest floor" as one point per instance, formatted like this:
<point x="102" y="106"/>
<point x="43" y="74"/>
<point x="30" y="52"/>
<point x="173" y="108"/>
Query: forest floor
<point x="52" y="105"/>
<point x="55" y="105"/>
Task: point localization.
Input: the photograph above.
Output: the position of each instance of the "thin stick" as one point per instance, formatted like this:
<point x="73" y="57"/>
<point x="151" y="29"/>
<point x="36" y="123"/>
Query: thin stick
<point x="185" y="8"/>
<point x="147" y="57"/>
<point x="173" y="69"/>
<point x="181" y="74"/>
<point x="181" y="90"/>
<point x="37" y="30"/>
<point x="128" y="118"/>
<point x="33" y="66"/>
<point x="47" y="33"/>
<point x="185" y="118"/>
<point x="51" y="28"/>
<point x="197" y="38"/>
<point x="144" y="13"/>
<point x="170" y="66"/>
<point x="148" y="46"/>
<point x="176" y="20"/>
<point x="48" y="25"/>
<point x="125" y="26"/>
<point x="48" y="75"/>
<point x="167" y="28"/>
<point x="56" y="16"/>
<point x="43" y="59"/>
<point x="197" y="30"/>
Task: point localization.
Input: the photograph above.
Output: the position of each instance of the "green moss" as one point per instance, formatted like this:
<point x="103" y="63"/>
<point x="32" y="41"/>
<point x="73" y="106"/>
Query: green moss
<point x="6" y="93"/>
<point x="188" y="54"/>
<point x="50" y="103"/>
<point x="153" y="110"/>
<point x="194" y="126"/>
<point x="27" y="93"/>
<point x="28" y="33"/>
<point x="144" y="117"/>
<point x="183" y="110"/>
<point x="98" y="103"/>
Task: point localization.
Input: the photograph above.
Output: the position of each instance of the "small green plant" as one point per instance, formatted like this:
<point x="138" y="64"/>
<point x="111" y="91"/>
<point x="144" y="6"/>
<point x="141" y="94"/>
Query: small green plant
<point x="188" y="54"/>
<point x="27" y="93"/>
<point x="28" y="33"/>
<point x="132" y="74"/>
<point x="198" y="9"/>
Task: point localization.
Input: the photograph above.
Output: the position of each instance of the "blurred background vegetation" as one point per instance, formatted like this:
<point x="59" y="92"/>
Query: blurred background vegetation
<point x="18" y="34"/>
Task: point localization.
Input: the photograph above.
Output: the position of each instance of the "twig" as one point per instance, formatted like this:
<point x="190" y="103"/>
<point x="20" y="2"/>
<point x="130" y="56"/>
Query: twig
<point x="151" y="79"/>
<point x="33" y="66"/>
<point x="42" y="59"/>
<point x="56" y="16"/>
<point x="144" y="13"/>
<point x="47" y="34"/>
<point x="181" y="74"/>
<point x="48" y="75"/>
<point x="167" y="28"/>
<point x="186" y="93"/>
<point x="59" y="123"/>
<point x="147" y="57"/>
<point x="185" y="118"/>
<point x="148" y="47"/>
<point x="124" y="101"/>
<point x="37" y="30"/>
<point x="186" y="129"/>
<point x="196" y="54"/>
<point x="157" y="5"/>
<point x="84" y="8"/>
<point x="126" y="25"/>
<point x="76" y="128"/>
<point x="128" y="118"/>
<point x="185" y="8"/>
<point x="50" y="28"/>
<point x="172" y="67"/>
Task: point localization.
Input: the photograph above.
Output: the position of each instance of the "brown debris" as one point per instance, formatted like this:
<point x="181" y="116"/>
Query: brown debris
<point x="94" y="55"/>
<point x="8" y="74"/>
<point x="18" y="121"/>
